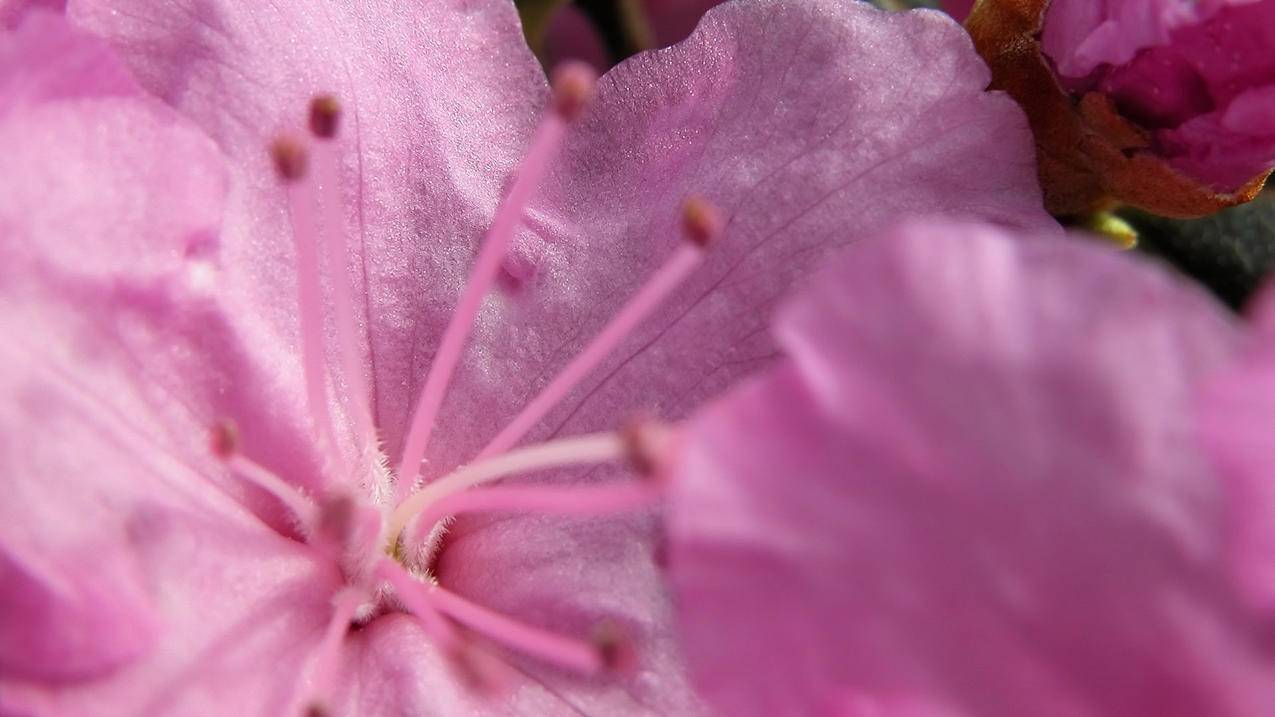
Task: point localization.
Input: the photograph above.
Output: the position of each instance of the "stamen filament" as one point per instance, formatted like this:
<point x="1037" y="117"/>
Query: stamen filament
<point x="662" y="283"/>
<point x="264" y="478"/>
<point x="572" y="500"/>
<point x="326" y="167"/>
<point x="329" y="649"/>
<point x="591" y="448"/>
<point x="301" y="201"/>
<point x="411" y="592"/>
<point x="558" y="649"/>
<point x="508" y="216"/>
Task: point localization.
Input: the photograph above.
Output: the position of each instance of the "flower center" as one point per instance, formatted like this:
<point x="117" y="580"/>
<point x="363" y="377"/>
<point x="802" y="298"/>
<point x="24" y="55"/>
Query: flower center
<point x="385" y="546"/>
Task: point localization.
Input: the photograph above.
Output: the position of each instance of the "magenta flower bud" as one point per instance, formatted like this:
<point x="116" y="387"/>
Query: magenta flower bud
<point x="1198" y="77"/>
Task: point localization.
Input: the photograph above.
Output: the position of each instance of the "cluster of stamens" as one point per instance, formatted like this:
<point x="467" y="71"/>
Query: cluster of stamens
<point x="385" y="552"/>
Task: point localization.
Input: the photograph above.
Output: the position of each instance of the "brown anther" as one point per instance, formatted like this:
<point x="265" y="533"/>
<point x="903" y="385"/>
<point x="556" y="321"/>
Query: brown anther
<point x="223" y="439"/>
<point x="615" y="648"/>
<point x="317" y="710"/>
<point x="290" y="158"/>
<point x="336" y="520"/>
<point x="701" y="221"/>
<point x="645" y="443"/>
<point x="573" y="84"/>
<point x="325" y="116"/>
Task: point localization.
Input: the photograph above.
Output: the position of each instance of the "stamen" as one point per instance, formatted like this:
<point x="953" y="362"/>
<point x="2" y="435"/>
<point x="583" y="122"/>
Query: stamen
<point x="329" y="650"/>
<point x="615" y="647"/>
<point x="410" y="592"/>
<point x="290" y="160"/>
<point x="573" y="84"/>
<point x="701" y="225"/>
<point x="569" y="95"/>
<point x="325" y="115"/>
<point x="558" y="649"/>
<point x="572" y="500"/>
<point x="290" y="155"/>
<point x="479" y="670"/>
<point x="224" y="439"/>
<point x="592" y="448"/>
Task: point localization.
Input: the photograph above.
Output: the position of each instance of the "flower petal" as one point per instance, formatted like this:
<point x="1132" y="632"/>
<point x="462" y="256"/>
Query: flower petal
<point x="972" y="490"/>
<point x="1235" y="415"/>
<point x="439" y="100"/>
<point x="810" y="125"/>
<point x="790" y="117"/>
<point x="575" y="576"/>
<point x="110" y="375"/>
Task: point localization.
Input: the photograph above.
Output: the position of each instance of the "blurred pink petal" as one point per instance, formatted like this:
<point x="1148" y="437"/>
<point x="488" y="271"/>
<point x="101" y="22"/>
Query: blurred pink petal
<point x="1235" y="422"/>
<point x="971" y="490"/>
<point x="1199" y="76"/>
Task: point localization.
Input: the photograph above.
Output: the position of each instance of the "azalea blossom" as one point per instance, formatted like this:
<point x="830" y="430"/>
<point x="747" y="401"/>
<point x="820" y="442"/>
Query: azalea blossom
<point x="289" y="284"/>
<point x="1197" y="76"/>
<point x="973" y="487"/>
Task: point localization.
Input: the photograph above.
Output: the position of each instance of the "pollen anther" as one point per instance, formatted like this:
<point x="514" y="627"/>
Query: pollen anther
<point x="325" y="116"/>
<point x="573" y="84"/>
<point x="290" y="158"/>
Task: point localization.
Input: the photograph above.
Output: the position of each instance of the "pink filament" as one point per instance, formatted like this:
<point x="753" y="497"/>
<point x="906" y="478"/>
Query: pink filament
<point x="301" y="200"/>
<point x="263" y="478"/>
<point x="329" y="199"/>
<point x="571" y="500"/>
<point x="667" y="278"/>
<point x="329" y="650"/>
<point x="530" y="171"/>
<point x="411" y="592"/>
<point x="560" y="650"/>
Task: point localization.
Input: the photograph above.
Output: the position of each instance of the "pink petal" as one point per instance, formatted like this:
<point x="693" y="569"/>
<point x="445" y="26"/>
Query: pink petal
<point x="13" y="12"/>
<point x="1234" y="421"/>
<point x="574" y="576"/>
<point x="972" y="490"/>
<point x="123" y="545"/>
<point x="804" y="155"/>
<point x="439" y="100"/>
<point x="801" y="135"/>
<point x="806" y="150"/>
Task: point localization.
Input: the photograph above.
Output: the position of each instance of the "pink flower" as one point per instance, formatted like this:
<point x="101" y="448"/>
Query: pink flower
<point x="223" y="386"/>
<point x="1198" y="76"/>
<point x="971" y="489"/>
